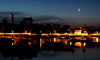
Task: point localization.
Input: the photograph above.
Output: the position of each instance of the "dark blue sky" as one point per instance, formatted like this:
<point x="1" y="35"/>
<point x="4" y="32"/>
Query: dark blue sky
<point x="90" y="9"/>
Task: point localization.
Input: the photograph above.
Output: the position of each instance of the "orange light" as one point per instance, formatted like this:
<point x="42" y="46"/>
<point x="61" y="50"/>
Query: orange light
<point x="40" y="43"/>
<point x="97" y="40"/>
<point x="78" y="32"/>
<point x="54" y="31"/>
<point x="65" y="42"/>
<point x="12" y="31"/>
<point x="84" y="44"/>
<point x="12" y="43"/>
<point x="40" y="31"/>
<point x="54" y="39"/>
<point x="12" y="39"/>
<point x="44" y="34"/>
<point x="70" y="43"/>
<point x="78" y="44"/>
<point x="25" y="31"/>
<point x="29" y="43"/>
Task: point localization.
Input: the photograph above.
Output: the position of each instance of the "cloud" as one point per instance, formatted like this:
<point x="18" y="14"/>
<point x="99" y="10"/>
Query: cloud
<point x="45" y="18"/>
<point x="16" y="13"/>
<point x="52" y="20"/>
<point x="69" y="21"/>
<point x="4" y="14"/>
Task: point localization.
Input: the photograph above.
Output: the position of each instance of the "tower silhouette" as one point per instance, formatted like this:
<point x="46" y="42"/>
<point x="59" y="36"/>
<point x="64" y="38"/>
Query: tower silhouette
<point x="12" y="16"/>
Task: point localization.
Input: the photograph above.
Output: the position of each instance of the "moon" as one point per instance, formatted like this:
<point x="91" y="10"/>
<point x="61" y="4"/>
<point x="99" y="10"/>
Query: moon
<point x="78" y="9"/>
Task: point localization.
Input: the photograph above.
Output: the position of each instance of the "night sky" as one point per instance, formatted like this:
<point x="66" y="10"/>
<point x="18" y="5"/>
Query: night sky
<point x="66" y="11"/>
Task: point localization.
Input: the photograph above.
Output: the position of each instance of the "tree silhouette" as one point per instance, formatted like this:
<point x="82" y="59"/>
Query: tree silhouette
<point x="28" y="20"/>
<point x="5" y="20"/>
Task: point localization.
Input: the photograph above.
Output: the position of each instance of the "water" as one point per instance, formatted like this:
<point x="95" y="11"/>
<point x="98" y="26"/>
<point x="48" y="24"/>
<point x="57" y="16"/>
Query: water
<point x="90" y="54"/>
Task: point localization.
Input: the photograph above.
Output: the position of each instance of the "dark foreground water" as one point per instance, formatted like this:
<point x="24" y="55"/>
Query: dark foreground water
<point x="90" y="54"/>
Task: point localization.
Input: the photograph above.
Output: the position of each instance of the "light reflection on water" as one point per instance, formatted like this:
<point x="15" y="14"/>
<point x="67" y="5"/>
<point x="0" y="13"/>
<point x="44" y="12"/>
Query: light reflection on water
<point x="90" y="54"/>
<point x="53" y="39"/>
<point x="65" y="41"/>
